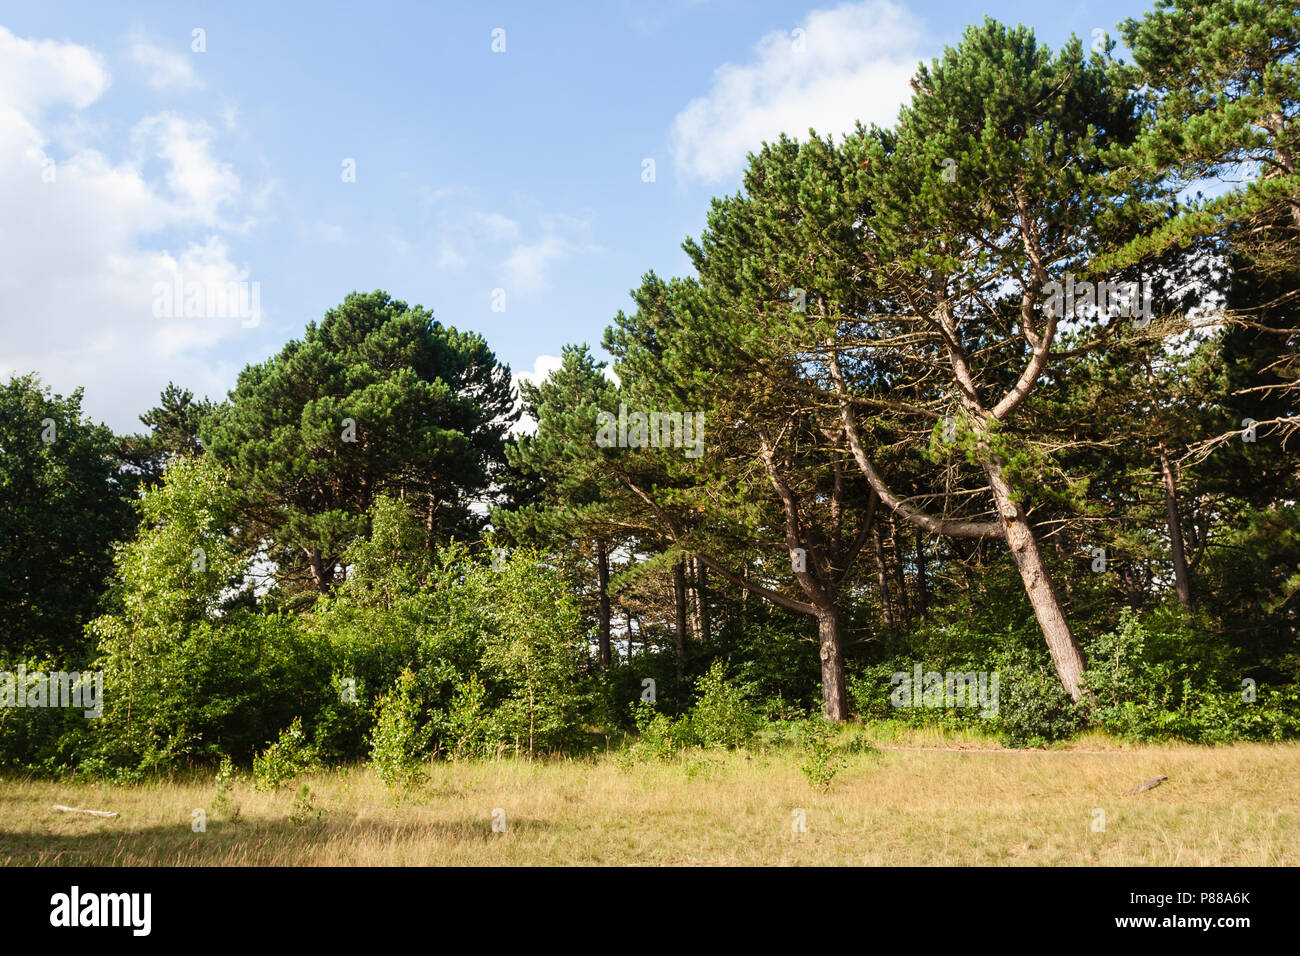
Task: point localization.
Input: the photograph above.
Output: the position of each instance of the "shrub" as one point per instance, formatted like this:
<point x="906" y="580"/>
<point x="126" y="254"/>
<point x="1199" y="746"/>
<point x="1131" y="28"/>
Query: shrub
<point x="658" y="735"/>
<point x="1141" y="691"/>
<point x="225" y="781"/>
<point x="468" y="728"/>
<point x="822" y="761"/>
<point x="398" y="741"/>
<point x="290" y="756"/>
<point x="724" y="715"/>
<point x="1034" y="709"/>
<point x="304" y="807"/>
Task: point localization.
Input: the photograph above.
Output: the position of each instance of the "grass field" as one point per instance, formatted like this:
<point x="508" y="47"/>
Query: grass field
<point x="920" y="799"/>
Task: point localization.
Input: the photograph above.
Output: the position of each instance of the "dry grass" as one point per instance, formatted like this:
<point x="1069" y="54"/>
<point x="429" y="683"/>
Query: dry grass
<point x="1234" y="805"/>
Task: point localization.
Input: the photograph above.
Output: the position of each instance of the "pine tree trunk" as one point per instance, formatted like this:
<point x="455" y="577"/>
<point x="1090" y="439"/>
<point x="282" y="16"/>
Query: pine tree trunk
<point x="602" y="612"/>
<point x="834" y="697"/>
<point x="1182" y="581"/>
<point x="1038" y="584"/>
<point x="316" y="562"/>
<point x="885" y="604"/>
<point x="903" y="603"/>
<point x="702" y="595"/>
<point x="922" y="585"/>
<point x="694" y="624"/>
<point x="679" y="600"/>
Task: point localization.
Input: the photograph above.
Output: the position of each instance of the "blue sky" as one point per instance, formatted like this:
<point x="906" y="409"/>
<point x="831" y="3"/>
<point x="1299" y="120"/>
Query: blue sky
<point x="131" y="159"/>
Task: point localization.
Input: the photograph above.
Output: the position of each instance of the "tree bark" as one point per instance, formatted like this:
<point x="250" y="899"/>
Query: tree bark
<point x="902" y="602"/>
<point x="702" y="596"/>
<point x="1182" y="581"/>
<point x="1038" y="584"/>
<point x="316" y="561"/>
<point x="922" y="585"/>
<point x="886" y="605"/>
<point x="679" y="600"/>
<point x="834" y="696"/>
<point x="602" y="612"/>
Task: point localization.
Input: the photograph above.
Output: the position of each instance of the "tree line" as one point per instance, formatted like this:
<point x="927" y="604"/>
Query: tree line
<point x="991" y="388"/>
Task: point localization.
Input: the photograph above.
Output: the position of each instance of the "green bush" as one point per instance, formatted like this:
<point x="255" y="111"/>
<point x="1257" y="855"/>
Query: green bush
<point x="469" y="728"/>
<point x="398" y="741"/>
<point x="1142" y="689"/>
<point x="289" y="757"/>
<point x="725" y="714"/>
<point x="1034" y="709"/>
<point x="659" y="736"/>
<point x="822" y="760"/>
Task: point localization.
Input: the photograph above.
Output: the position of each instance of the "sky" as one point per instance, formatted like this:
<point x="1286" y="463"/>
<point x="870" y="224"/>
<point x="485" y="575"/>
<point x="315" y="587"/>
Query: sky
<point x="514" y="167"/>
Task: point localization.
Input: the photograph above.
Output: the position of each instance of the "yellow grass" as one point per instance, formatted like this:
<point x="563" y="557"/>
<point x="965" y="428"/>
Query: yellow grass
<point x="1236" y="805"/>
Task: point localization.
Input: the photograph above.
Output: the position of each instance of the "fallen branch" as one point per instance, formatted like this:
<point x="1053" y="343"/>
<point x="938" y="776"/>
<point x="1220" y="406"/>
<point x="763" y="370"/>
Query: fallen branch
<point x="1150" y="784"/>
<point x="96" y="813"/>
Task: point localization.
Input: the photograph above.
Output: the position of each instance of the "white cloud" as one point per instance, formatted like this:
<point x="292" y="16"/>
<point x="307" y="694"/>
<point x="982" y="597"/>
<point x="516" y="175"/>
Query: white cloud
<point x="524" y="257"/>
<point x="448" y="257"/>
<point x="37" y="73"/>
<point x="492" y="226"/>
<point x="854" y="64"/>
<point x="78" y="279"/>
<point x="165" y="69"/>
<point x="543" y="366"/>
<point x="323" y="233"/>
<point x="200" y="184"/>
<point x="527" y="265"/>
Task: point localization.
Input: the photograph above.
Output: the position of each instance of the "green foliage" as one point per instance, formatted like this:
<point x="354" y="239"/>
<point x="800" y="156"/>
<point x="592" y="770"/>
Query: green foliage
<point x="289" y="757"/>
<point x="822" y="760"/>
<point x="530" y="648"/>
<point x="658" y="736"/>
<point x="1034" y="710"/>
<point x="304" y="808"/>
<point x="63" y="503"/>
<point x="190" y="671"/>
<point x="174" y="431"/>
<point x="1142" y="692"/>
<point x="494" y="646"/>
<point x="429" y="408"/>
<point x="398" y="741"/>
<point x="1220" y="78"/>
<point x="225" y="781"/>
<point x="723" y="715"/>
<point x="468" y="729"/>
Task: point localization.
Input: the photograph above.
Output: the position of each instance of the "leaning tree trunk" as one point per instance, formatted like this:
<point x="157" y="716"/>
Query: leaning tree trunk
<point x="602" y="612"/>
<point x="1038" y="583"/>
<point x="1182" y="581"/>
<point x="834" y="697"/>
